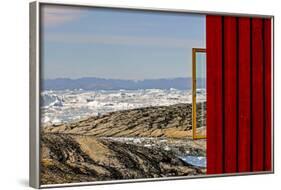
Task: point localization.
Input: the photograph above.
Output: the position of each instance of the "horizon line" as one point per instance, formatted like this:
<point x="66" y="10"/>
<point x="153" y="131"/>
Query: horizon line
<point x="161" y="78"/>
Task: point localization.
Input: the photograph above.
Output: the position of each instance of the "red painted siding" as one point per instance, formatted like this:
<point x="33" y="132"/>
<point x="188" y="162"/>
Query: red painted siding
<point x="268" y="110"/>
<point x="214" y="82"/>
<point x="239" y="117"/>
<point x="244" y="119"/>
<point x="230" y="94"/>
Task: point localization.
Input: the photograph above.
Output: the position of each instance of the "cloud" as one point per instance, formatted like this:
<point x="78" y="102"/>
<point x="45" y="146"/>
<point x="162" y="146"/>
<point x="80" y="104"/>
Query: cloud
<point x="124" y="40"/>
<point x="56" y="15"/>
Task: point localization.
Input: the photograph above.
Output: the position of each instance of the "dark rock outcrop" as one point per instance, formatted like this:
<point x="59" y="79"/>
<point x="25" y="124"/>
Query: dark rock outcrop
<point x="77" y="158"/>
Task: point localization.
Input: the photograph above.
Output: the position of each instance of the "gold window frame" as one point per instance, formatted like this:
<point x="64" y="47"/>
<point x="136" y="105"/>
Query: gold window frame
<point x="194" y="134"/>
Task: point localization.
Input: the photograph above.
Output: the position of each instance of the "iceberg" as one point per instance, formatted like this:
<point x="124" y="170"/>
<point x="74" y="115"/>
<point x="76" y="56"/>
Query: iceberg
<point x="68" y="105"/>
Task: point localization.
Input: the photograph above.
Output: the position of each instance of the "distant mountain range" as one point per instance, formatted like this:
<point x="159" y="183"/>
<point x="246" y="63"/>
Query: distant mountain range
<point x="93" y="83"/>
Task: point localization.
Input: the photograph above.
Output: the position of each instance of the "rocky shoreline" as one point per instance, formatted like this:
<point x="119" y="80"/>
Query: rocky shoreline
<point x="173" y="121"/>
<point x="130" y="144"/>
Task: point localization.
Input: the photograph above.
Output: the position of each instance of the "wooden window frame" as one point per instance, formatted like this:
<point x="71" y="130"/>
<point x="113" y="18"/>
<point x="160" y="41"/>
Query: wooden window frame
<point x="194" y="127"/>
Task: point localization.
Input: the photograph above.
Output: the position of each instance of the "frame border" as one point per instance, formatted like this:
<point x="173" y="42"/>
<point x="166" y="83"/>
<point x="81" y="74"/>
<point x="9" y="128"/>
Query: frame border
<point x="34" y="90"/>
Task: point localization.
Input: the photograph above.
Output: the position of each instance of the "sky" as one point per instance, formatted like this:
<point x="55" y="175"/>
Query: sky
<point x="118" y="44"/>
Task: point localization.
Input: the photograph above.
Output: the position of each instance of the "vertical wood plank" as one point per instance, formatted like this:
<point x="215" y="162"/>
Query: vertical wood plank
<point x="257" y="96"/>
<point x="214" y="94"/>
<point x="230" y="94"/>
<point x="268" y="94"/>
<point x="244" y="136"/>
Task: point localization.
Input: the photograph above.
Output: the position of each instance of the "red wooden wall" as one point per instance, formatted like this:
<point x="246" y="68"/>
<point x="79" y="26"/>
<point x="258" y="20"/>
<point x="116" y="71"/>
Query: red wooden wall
<point x="238" y="94"/>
